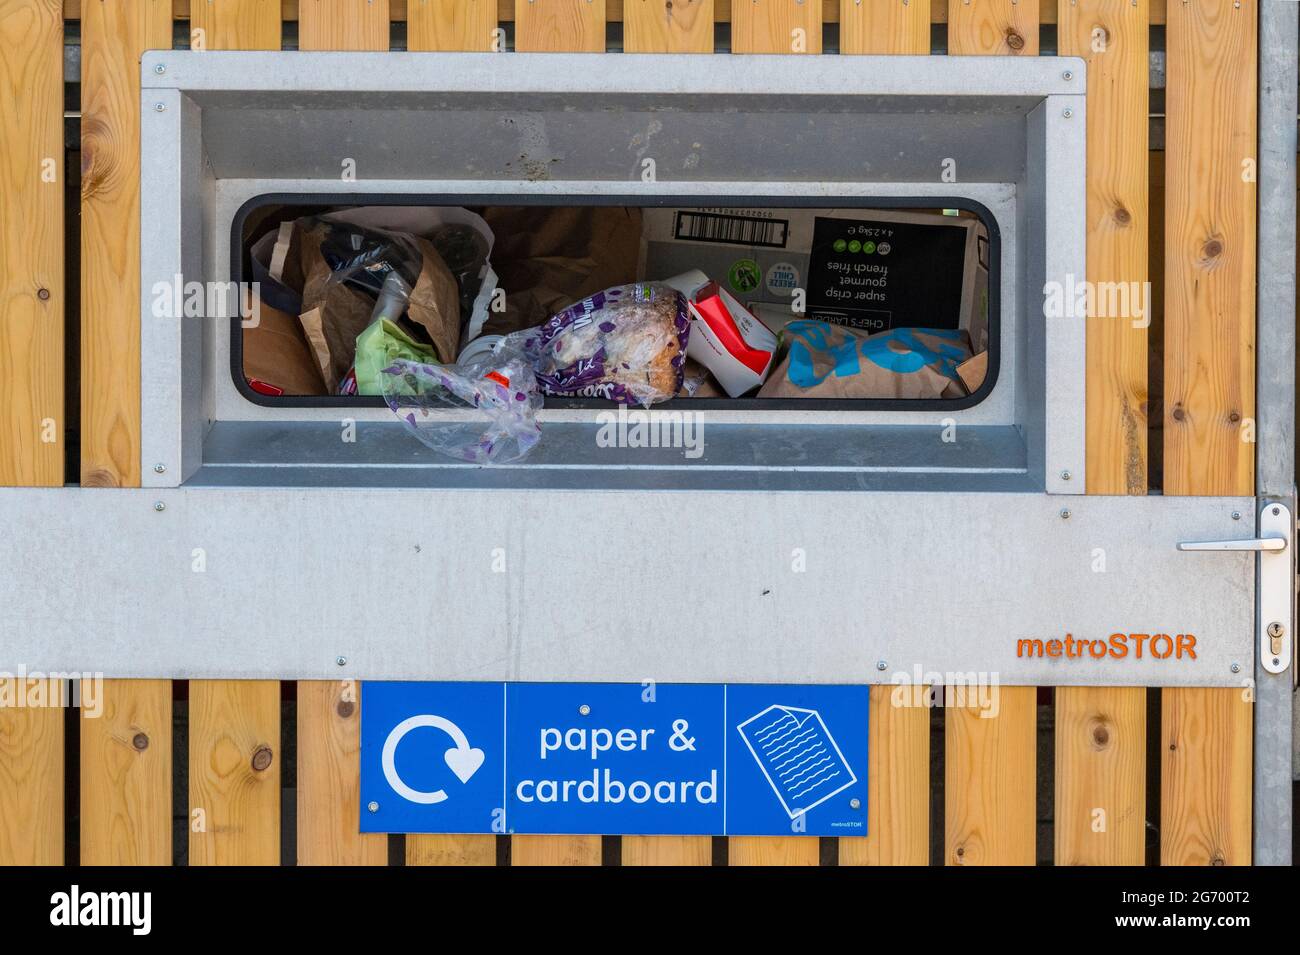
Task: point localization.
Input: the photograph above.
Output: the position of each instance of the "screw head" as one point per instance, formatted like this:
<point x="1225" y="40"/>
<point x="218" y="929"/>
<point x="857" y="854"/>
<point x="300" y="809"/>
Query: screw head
<point x="1067" y="112"/>
<point x="341" y="661"/>
<point x="881" y="665"/>
<point x="1277" y="511"/>
<point x="372" y="806"/>
<point x="159" y="107"/>
<point x="160" y="469"/>
<point x="160" y="69"/>
<point x="1236" y="515"/>
<point x="855" y="803"/>
<point x="1065" y="513"/>
<point x="140" y="742"/>
<point x="584" y="710"/>
<point x="1067" y="75"/>
<point x="159" y="506"/>
<point x="1236" y="668"/>
<point x="1065" y="475"/>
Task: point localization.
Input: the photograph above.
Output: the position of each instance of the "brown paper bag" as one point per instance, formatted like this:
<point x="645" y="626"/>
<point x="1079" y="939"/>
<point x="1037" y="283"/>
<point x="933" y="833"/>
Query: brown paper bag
<point x="334" y="313"/>
<point x="548" y="257"/>
<point x="822" y="360"/>
<point x="277" y="355"/>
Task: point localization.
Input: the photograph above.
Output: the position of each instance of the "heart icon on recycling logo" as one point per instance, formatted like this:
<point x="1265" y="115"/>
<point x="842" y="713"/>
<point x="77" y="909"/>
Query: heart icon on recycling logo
<point x="464" y="762"/>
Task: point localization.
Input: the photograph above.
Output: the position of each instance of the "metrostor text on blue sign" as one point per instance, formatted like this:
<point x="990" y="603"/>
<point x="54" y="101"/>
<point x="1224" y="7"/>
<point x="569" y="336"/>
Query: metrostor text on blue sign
<point x="614" y="758"/>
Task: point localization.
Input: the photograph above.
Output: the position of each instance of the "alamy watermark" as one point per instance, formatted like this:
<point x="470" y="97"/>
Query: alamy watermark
<point x="181" y="299"/>
<point x="1079" y="298"/>
<point x="639" y="428"/>
<point x="38" y="690"/>
<point x="971" y="689"/>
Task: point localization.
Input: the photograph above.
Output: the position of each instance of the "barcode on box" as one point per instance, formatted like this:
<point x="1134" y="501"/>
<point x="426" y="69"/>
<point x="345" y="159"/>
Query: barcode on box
<point x="734" y="230"/>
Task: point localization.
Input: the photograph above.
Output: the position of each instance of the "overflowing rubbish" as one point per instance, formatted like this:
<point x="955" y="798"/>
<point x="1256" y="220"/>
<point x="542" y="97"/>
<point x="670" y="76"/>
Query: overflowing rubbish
<point x="465" y="321"/>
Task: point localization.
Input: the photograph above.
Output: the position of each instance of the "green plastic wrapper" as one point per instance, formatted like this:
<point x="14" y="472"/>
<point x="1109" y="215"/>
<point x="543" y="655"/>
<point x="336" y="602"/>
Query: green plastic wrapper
<point x="378" y="346"/>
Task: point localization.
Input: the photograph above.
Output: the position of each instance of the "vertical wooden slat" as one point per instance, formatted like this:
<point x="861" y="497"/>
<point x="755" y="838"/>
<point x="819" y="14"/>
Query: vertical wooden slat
<point x="451" y="25"/>
<point x="235" y="725"/>
<point x="125" y="797"/>
<point x="126" y="774"/>
<point x="1209" y="385"/>
<point x="668" y="26"/>
<point x="885" y="26"/>
<point x="776" y="26"/>
<point x="1101" y="739"/>
<point x="553" y="26"/>
<point x="328" y="713"/>
<point x="31" y="383"/>
<point x="773" y="851"/>
<point x="31" y="772"/>
<point x="429" y="849"/>
<point x="31" y="243"/>
<point x="235" y="25"/>
<point x="989" y="777"/>
<point x="343" y="25"/>
<point x="667" y="850"/>
<point x="1112" y="36"/>
<point x="993" y="27"/>
<point x="329" y="777"/>
<point x="555" y="850"/>
<point x="1205" y="776"/>
<point x="1100" y="731"/>
<point x="113" y="36"/>
<point x="234" y="811"/>
<point x="898" y="777"/>
<point x="989" y="786"/>
<point x="1210" y="248"/>
<point x="898" y="781"/>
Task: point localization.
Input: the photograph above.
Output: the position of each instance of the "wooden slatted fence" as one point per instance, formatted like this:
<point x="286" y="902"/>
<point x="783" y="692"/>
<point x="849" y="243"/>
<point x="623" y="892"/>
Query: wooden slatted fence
<point x="232" y="729"/>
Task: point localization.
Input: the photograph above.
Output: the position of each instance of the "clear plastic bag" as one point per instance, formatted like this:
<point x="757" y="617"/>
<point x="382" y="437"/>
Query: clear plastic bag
<point x="499" y="389"/>
<point x="627" y="344"/>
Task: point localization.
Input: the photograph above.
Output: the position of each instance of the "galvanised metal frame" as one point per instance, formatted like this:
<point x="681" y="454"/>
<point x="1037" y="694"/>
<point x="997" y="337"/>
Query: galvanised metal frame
<point x="221" y="128"/>
<point x="1277" y="720"/>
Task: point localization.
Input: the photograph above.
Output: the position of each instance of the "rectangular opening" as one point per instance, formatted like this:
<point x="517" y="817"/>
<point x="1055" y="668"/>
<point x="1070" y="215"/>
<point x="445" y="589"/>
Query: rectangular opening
<point x="911" y="285"/>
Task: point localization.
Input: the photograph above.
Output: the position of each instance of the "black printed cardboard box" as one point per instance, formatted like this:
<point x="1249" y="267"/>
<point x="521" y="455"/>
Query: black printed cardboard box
<point x="870" y="269"/>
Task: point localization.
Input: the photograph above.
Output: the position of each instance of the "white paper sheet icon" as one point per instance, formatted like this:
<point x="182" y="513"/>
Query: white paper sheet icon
<point x="798" y="755"/>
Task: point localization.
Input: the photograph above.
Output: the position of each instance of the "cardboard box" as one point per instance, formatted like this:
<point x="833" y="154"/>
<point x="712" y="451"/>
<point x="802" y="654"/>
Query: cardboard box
<point x="725" y="338"/>
<point x="870" y="269"/>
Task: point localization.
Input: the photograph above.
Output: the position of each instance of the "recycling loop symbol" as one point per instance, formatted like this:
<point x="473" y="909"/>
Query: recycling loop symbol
<point x="462" y="759"/>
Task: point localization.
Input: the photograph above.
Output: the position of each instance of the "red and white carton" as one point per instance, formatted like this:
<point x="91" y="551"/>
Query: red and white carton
<point x="725" y="337"/>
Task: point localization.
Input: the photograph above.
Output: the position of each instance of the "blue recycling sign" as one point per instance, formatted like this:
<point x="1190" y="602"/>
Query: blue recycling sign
<point x="614" y="759"/>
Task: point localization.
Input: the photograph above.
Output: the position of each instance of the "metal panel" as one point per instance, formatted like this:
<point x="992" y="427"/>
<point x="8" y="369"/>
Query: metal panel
<point x="566" y="74"/>
<point x="541" y="584"/>
<point x="494" y="119"/>
<point x="1276" y="717"/>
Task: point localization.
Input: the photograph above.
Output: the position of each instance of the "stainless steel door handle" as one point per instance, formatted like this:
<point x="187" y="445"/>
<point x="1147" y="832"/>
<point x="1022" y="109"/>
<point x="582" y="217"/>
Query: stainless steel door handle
<point x="1249" y="543"/>
<point x="1275" y="600"/>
